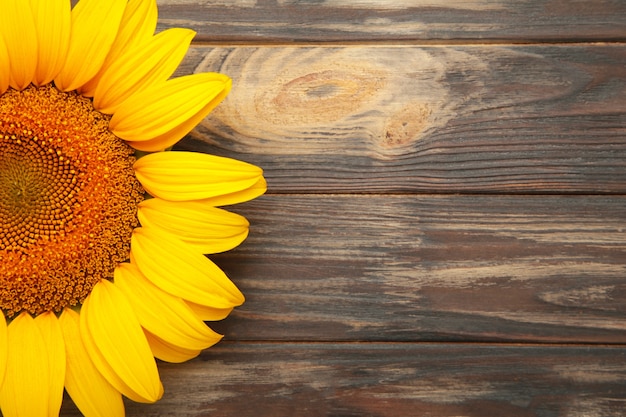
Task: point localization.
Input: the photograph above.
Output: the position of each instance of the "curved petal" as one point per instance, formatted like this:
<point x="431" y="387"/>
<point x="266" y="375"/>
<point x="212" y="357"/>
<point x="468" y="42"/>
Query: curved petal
<point x="18" y="29"/>
<point x="170" y="265"/>
<point x="114" y="340"/>
<point x="53" y="340"/>
<point x="168" y="352"/>
<point x="169" y="138"/>
<point x="53" y="22"/>
<point x="257" y="189"/>
<point x="208" y="229"/>
<point x="95" y="24"/>
<point x="136" y="28"/>
<point x="148" y="64"/>
<point x="184" y="176"/>
<point x="25" y="390"/>
<point x="138" y="25"/>
<point x="102" y="366"/>
<point x="162" y="314"/>
<point x="168" y="105"/>
<point x="92" y="394"/>
<point x="209" y="313"/>
<point x="5" y="70"/>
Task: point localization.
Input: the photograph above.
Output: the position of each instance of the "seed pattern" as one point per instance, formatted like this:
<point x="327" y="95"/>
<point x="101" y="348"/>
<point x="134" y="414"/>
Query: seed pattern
<point x="68" y="199"/>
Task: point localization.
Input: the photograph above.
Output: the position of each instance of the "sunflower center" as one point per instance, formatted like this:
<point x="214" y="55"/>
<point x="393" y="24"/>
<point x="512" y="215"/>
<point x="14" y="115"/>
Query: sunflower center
<point x="68" y="199"/>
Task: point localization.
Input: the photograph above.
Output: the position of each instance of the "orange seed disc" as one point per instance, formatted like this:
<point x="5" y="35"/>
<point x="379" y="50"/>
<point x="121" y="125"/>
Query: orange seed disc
<point x="68" y="199"/>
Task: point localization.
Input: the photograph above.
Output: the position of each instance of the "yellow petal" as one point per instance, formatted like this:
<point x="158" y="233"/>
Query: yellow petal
<point x="55" y="347"/>
<point x="53" y="22"/>
<point x="208" y="229"/>
<point x="138" y="24"/>
<point x="95" y="24"/>
<point x="25" y="390"/>
<point x="5" y="70"/>
<point x="184" y="176"/>
<point x="167" y="106"/>
<point x="148" y="64"/>
<point x="209" y="313"/>
<point x="115" y="342"/>
<point x="257" y="189"/>
<point x="167" y="352"/>
<point x="163" y="314"/>
<point x="102" y="366"/>
<point x="18" y="28"/>
<point x="3" y="346"/>
<point x="171" y="137"/>
<point x="92" y="394"/>
<point x="175" y="268"/>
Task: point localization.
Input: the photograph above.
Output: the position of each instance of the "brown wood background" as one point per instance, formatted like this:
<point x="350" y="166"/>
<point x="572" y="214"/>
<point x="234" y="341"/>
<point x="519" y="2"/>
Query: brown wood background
<point x="445" y="228"/>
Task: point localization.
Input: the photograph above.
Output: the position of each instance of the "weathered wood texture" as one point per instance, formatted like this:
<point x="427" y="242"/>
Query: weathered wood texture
<point x="514" y="119"/>
<point x="445" y="228"/>
<point x="397" y="20"/>
<point x="431" y="268"/>
<point x="383" y="380"/>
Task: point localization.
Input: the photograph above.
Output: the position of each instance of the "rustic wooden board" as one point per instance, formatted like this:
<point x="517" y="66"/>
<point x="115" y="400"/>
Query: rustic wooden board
<point x="431" y="268"/>
<point x="373" y="288"/>
<point x="380" y="380"/>
<point x="513" y="119"/>
<point x="396" y="20"/>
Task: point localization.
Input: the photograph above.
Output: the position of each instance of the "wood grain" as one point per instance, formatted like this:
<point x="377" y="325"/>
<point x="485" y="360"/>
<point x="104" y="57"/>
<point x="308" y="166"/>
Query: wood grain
<point x="396" y="20"/>
<point x="383" y="380"/>
<point x="506" y="119"/>
<point x="445" y="228"/>
<point x="431" y="268"/>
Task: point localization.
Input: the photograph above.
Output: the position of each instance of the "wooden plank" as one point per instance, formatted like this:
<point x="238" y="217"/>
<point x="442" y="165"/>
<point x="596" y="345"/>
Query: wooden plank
<point x="393" y="20"/>
<point x="431" y="268"/>
<point x="512" y="119"/>
<point x="394" y="380"/>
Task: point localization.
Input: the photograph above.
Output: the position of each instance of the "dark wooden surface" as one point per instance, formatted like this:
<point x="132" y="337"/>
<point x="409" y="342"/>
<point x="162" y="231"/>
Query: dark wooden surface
<point x="413" y="119"/>
<point x="445" y="228"/>
<point x="267" y="21"/>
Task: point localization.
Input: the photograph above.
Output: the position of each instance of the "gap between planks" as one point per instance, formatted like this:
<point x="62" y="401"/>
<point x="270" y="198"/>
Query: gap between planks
<point x="446" y="193"/>
<point x="210" y="41"/>
<point x="430" y="343"/>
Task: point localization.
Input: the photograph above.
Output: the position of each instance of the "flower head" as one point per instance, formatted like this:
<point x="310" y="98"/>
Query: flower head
<point x="103" y="234"/>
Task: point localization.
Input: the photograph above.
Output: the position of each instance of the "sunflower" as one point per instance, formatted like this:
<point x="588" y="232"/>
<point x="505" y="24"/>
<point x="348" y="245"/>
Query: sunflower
<point x="103" y="233"/>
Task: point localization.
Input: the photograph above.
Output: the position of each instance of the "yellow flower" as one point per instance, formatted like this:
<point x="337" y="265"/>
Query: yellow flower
<point x="102" y="264"/>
